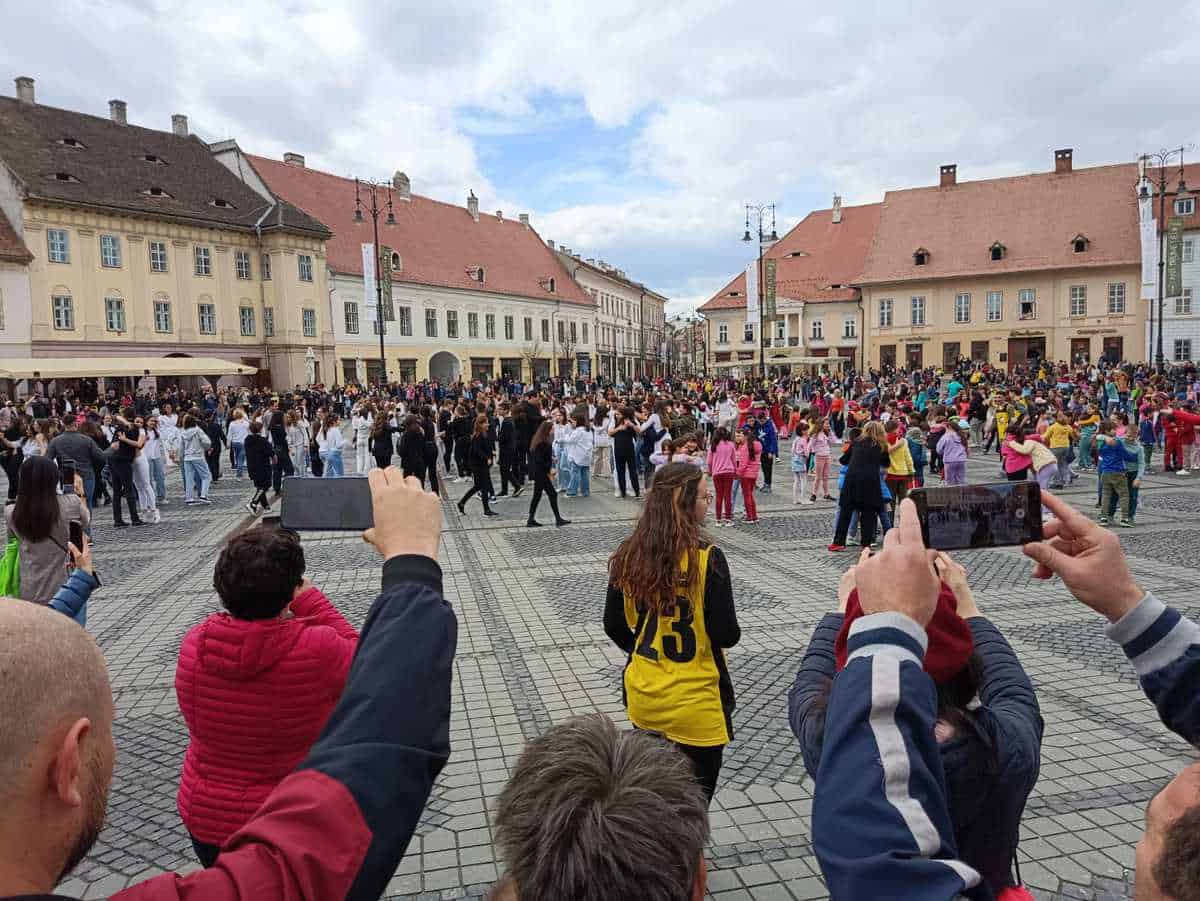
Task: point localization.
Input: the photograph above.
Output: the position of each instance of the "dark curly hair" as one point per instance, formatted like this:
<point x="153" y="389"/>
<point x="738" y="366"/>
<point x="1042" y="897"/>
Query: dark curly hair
<point x="258" y="572"/>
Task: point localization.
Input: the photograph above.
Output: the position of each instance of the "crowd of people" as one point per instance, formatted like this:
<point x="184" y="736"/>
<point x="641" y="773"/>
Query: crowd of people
<point x="306" y="773"/>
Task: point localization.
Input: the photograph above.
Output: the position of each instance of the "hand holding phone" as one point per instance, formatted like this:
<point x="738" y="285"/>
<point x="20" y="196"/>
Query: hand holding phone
<point x="1001" y="514"/>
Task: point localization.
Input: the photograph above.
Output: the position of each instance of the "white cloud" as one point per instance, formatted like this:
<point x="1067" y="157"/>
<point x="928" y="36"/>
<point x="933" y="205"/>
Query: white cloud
<point x="731" y="101"/>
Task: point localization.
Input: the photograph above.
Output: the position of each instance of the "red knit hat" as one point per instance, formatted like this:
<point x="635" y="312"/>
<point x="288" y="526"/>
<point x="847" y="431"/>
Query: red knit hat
<point x="950" y="640"/>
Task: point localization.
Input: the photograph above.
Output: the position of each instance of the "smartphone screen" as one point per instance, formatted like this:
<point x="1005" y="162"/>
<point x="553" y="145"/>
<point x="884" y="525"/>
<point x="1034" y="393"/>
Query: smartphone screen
<point x="326" y="505"/>
<point x="75" y="533"/>
<point x="67" y="474"/>
<point x="976" y="516"/>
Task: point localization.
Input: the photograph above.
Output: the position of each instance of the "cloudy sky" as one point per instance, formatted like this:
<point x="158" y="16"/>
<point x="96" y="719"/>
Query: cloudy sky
<point x="635" y="132"/>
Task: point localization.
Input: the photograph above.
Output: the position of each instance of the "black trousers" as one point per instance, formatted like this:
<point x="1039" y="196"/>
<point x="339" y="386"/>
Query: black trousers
<point x="626" y="468"/>
<point x="213" y="459"/>
<point x="506" y="473"/>
<point x="767" y="464"/>
<point x="482" y="487"/>
<point x="283" y="467"/>
<point x="448" y="452"/>
<point x="205" y="853"/>
<point x="122" y="481"/>
<point x="12" y="466"/>
<point x="461" y="449"/>
<point x="543" y="485"/>
<point x="260" y="494"/>
<point x="520" y="467"/>
<point x="866" y="521"/>
<point x="707" y="764"/>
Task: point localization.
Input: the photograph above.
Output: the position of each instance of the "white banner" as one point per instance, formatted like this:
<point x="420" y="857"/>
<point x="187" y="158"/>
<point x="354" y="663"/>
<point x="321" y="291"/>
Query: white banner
<point x="1149" y="239"/>
<point x="752" y="294"/>
<point x="370" y="297"/>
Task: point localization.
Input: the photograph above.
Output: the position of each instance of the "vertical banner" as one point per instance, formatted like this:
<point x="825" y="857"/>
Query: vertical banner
<point x="385" y="281"/>
<point x="1148" y="231"/>
<point x="369" y="298"/>
<point x="752" y="294"/>
<point x="769" y="288"/>
<point x="1174" y="258"/>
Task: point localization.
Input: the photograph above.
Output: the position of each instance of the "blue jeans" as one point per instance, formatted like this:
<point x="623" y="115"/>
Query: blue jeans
<point x="580" y="481"/>
<point x="89" y="488"/>
<point x="196" y="476"/>
<point x="158" y="474"/>
<point x="564" y="470"/>
<point x="239" y="457"/>
<point x="333" y="464"/>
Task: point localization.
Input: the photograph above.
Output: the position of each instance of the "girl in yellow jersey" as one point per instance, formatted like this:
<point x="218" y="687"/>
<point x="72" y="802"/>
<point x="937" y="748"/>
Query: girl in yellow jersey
<point x="670" y="608"/>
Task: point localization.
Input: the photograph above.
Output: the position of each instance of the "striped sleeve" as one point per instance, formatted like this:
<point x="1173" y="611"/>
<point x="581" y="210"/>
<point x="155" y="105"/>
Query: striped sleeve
<point x="1163" y="646"/>
<point x="881" y="825"/>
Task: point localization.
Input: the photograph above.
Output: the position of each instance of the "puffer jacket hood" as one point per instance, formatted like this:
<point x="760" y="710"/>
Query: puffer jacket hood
<point x="242" y="649"/>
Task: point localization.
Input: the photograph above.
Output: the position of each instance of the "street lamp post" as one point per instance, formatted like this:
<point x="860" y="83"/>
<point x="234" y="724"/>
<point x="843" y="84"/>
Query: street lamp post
<point x="373" y="189"/>
<point x="764" y="240"/>
<point x="1162" y="158"/>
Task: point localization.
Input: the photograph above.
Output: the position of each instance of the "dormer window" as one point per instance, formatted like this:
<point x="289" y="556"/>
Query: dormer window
<point x="797" y="253"/>
<point x="153" y="158"/>
<point x="550" y="287"/>
<point x="997" y="251"/>
<point x="65" y="176"/>
<point x="734" y="294"/>
<point x="221" y="203"/>
<point x="1079" y="244"/>
<point x="1185" y="206"/>
<point x="920" y="257"/>
<point x="477" y="274"/>
<point x="156" y="192"/>
<point x="72" y="142"/>
<point x="395" y="262"/>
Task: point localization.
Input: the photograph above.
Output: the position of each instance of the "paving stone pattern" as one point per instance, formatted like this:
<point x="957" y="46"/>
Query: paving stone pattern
<point x="532" y="652"/>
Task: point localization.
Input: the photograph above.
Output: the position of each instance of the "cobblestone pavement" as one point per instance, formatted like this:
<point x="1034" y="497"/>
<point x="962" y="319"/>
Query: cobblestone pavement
<point x="532" y="652"/>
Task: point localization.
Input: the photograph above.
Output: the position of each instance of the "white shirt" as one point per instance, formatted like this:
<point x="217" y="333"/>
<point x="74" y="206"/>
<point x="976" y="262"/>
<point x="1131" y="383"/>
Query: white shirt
<point x="238" y="430"/>
<point x="330" y="440"/>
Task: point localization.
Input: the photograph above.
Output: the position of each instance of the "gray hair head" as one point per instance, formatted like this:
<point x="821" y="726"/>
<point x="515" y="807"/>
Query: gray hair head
<point x="592" y="813"/>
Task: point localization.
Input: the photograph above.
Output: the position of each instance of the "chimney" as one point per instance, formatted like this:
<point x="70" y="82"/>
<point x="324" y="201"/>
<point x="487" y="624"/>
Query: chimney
<point x="1062" y="160"/>
<point x="402" y="185"/>
<point x="25" y="89"/>
<point x="500" y="215"/>
<point x="116" y="111"/>
<point x="524" y="217"/>
<point x="179" y="125"/>
<point x="837" y="208"/>
<point x="294" y="159"/>
<point x="550" y="243"/>
<point x="473" y="205"/>
<point x="949" y="175"/>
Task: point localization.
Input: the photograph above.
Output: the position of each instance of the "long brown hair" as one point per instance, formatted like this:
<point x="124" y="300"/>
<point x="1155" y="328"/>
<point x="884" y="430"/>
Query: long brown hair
<point x="542" y="435"/>
<point x="647" y="564"/>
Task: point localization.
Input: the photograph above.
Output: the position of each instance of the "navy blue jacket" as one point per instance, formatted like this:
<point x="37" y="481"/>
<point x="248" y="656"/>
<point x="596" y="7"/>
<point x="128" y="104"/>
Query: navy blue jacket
<point x="990" y="766"/>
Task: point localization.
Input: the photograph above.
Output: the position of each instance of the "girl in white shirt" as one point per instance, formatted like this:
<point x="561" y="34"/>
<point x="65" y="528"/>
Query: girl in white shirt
<point x="602" y="444"/>
<point x="329" y="444"/>
<point x="239" y="428"/>
<point x="360" y="428"/>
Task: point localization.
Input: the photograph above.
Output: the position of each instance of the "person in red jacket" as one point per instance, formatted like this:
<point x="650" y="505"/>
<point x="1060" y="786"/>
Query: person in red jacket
<point x="1182" y="424"/>
<point x="335" y="827"/>
<point x="1173" y="451"/>
<point x="255" y="683"/>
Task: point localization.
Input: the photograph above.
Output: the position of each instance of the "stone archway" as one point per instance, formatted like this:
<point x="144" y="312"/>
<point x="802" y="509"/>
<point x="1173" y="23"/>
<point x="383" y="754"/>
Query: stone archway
<point x="444" y="367"/>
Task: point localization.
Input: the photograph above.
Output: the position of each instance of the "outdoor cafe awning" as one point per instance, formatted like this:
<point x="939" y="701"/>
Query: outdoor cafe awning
<point x="136" y="367"/>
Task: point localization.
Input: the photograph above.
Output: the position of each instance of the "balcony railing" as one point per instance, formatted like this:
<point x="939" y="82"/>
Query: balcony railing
<point x="793" y="341"/>
<point x="779" y="342"/>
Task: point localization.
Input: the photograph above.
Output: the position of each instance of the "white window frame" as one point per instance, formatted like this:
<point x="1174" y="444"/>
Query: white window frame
<point x="510" y="328"/>
<point x="887" y="308"/>
<point x="1185" y="206"/>
<point x="452" y="325"/>
<point x="917" y="303"/>
<point x="114" y="314"/>
<point x="62" y="312"/>
<point x="748" y="333"/>
<point x="1116" y="298"/>
<point x="206" y="312"/>
<point x="849" y="328"/>
<point x="528" y="328"/>
<point x="1078" y="301"/>
<point x="1021" y="300"/>
<point x="304" y="267"/>
<point x="818" y="330"/>
<point x="489" y="326"/>
<point x="58" y="246"/>
<point x="994" y="306"/>
<point x="472" y="325"/>
<point x="962" y="307"/>
<point x="723" y="333"/>
<point x="545" y="329"/>
<point x="159" y="261"/>
<point x="110" y="251"/>
<point x="246" y="324"/>
<point x="162" y="317"/>
<point x="241" y="265"/>
<point x="268" y="322"/>
<point x="1183" y="304"/>
<point x="573" y="331"/>
<point x="350" y="316"/>
<point x="406" y="325"/>
<point x="431" y="323"/>
<point x="1182" y="350"/>
<point x="780" y="329"/>
<point x="265" y="265"/>
<point x="584" y="327"/>
<point x="308" y="320"/>
<point x="202" y="260"/>
<point x="1189" y="250"/>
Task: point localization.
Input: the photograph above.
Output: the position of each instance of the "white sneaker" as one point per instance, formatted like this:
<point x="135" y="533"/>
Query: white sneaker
<point x="1182" y="472"/>
<point x="616" y="492"/>
<point x="157" y="517"/>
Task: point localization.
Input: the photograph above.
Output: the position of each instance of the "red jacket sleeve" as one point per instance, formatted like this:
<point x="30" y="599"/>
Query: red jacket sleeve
<point x="313" y="605"/>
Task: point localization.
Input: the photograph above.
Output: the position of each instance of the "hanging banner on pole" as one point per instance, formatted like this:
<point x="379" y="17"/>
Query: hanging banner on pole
<point x="368" y="265"/>
<point x="769" y="288"/>
<point x="1148" y="232"/>
<point x="1174" y="257"/>
<point x="752" y="294"/>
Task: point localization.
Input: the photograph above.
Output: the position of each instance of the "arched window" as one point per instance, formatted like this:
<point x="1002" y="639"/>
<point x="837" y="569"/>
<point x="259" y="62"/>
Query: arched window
<point x="997" y="251"/>
<point x="395" y="262"/>
<point x="1080" y="244"/>
<point x="920" y="256"/>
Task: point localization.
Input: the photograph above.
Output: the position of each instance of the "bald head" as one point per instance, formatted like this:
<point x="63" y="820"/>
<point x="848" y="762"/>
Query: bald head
<point x="51" y="675"/>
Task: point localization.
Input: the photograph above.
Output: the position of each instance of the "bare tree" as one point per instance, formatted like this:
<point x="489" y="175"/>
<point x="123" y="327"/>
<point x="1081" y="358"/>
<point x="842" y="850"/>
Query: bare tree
<point x="531" y="352"/>
<point x="566" y="349"/>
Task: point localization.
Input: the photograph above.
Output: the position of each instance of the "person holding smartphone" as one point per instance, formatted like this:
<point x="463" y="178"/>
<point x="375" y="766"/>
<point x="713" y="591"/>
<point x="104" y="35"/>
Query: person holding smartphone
<point x="38" y="520"/>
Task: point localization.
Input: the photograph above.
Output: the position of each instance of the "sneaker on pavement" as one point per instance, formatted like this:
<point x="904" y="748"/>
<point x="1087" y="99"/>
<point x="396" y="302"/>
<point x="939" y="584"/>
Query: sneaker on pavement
<point x="836" y="547"/>
<point x="1103" y="520"/>
<point x="1125" y="523"/>
<point x="1182" y="472"/>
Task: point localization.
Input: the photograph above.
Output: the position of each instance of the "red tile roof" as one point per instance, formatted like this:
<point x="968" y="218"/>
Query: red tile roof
<point x="438" y="242"/>
<point x="833" y="254"/>
<point x="12" y="248"/>
<point x="1191" y="177"/>
<point x="1035" y="217"/>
